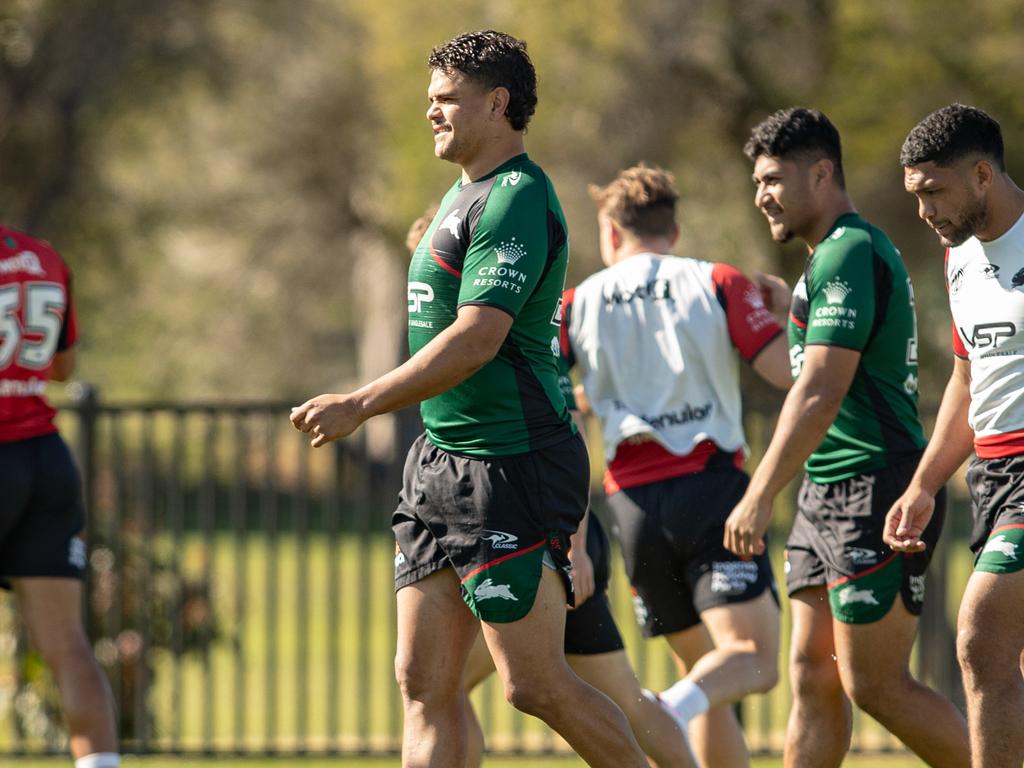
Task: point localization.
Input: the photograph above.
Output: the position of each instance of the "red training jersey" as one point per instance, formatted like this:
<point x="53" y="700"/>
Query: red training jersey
<point x="37" y="320"/>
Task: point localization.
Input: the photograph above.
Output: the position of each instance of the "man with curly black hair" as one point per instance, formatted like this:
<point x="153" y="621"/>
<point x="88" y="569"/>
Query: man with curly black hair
<point x="953" y="164"/>
<point x="851" y="419"/>
<point x="498" y="483"/>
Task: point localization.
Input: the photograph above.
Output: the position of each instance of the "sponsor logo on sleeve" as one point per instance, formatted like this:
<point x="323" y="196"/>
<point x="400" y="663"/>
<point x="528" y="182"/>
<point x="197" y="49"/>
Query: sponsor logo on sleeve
<point x="511" y="179"/>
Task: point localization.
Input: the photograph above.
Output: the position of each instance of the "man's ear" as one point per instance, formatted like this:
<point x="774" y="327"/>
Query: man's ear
<point x="822" y="171"/>
<point x="982" y="175"/>
<point x="498" y="100"/>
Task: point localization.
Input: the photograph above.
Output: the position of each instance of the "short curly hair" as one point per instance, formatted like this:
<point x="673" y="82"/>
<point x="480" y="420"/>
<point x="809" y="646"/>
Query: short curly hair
<point x="493" y="59"/>
<point x="949" y="134"/>
<point x="798" y="131"/>
<point x="640" y="199"/>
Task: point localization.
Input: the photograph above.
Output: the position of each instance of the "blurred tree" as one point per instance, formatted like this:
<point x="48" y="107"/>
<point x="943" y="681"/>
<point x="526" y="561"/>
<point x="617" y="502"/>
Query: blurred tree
<point x="232" y="181"/>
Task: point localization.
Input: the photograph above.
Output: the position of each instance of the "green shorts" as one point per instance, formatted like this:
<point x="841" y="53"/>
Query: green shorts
<point x="997" y="493"/>
<point x="494" y="520"/>
<point x="836" y="542"/>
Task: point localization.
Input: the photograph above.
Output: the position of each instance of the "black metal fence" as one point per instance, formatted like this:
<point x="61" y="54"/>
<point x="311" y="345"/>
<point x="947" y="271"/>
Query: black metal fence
<point x="239" y="594"/>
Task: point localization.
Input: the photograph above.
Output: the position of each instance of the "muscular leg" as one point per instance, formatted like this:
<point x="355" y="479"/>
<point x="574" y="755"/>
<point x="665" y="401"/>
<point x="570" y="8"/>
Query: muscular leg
<point x="990" y="639"/>
<point x="479" y="666"/>
<point x="881" y="685"/>
<point x="820" y="720"/>
<point x="51" y="610"/>
<point x="716" y="736"/>
<point x="653" y="726"/>
<point x="746" y="650"/>
<point x="530" y="659"/>
<point x="435" y="632"/>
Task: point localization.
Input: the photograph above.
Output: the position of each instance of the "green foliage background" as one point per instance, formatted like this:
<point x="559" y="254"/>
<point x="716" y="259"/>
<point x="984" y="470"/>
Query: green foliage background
<point x="231" y="181"/>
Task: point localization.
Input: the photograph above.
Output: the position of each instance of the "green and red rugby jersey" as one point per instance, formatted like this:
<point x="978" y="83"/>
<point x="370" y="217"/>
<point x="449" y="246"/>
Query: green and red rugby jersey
<point x="500" y="241"/>
<point x="855" y="293"/>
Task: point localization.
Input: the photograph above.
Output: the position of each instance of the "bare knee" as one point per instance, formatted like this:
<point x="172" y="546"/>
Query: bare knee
<point x="814" y="677"/>
<point x="533" y="694"/>
<point x="65" y="651"/>
<point x="980" y="658"/>
<point x="766" y="668"/>
<point x="421" y="682"/>
<point x="874" y="691"/>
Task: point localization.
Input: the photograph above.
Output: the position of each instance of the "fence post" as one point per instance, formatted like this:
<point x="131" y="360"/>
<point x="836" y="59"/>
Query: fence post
<point x="86" y="399"/>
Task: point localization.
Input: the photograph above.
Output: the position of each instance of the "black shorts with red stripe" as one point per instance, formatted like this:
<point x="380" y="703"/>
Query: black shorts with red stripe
<point x="497" y="521"/>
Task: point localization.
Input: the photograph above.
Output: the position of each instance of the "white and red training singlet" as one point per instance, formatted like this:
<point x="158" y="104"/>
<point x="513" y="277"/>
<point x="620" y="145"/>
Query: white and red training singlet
<point x="37" y="320"/>
<point x="986" y="296"/>
<point x="657" y="340"/>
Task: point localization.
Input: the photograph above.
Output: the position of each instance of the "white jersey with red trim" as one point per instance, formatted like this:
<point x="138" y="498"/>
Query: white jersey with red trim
<point x="986" y="296"/>
<point x="657" y="340"/>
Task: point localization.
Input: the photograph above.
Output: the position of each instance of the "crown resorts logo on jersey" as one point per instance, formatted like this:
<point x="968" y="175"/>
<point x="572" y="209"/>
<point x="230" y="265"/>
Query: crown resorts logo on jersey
<point x="753" y="296"/>
<point x="509" y="252"/>
<point x="837" y="290"/>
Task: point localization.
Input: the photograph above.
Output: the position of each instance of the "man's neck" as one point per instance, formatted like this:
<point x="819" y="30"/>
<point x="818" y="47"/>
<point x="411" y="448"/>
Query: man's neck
<point x="839" y="205"/>
<point x="658" y="246"/>
<point x="492" y="155"/>
<point x="1006" y="206"/>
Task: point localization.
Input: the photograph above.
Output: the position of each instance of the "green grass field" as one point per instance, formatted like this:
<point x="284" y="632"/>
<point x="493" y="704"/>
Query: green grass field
<point x="867" y="761"/>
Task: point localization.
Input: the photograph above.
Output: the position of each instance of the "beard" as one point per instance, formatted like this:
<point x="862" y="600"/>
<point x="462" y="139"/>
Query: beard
<point x="971" y="218"/>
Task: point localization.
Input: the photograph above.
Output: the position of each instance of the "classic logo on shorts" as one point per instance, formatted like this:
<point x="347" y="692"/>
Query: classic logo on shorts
<point x="501" y="540"/>
<point x="488" y="589"/>
<point x="76" y="553"/>
<point x="854" y="595"/>
<point x="1002" y="545"/>
<point x="862" y="555"/>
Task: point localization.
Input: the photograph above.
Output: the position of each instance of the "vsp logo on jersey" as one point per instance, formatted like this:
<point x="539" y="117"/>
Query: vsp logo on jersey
<point x="419" y="294"/>
<point x="989" y="334"/>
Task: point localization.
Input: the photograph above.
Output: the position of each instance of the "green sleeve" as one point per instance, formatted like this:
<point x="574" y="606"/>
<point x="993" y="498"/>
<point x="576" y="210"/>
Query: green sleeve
<point x="508" y="251"/>
<point x="841" y="294"/>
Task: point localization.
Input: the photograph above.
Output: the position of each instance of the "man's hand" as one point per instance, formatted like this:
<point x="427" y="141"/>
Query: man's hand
<point x="328" y="417"/>
<point x="746" y="526"/>
<point x="907" y="520"/>
<point x="776" y="295"/>
<point x="582" y="575"/>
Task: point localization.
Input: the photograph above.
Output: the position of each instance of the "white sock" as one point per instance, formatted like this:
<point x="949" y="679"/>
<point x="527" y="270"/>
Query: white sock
<point x="686" y="699"/>
<point x="99" y="760"/>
